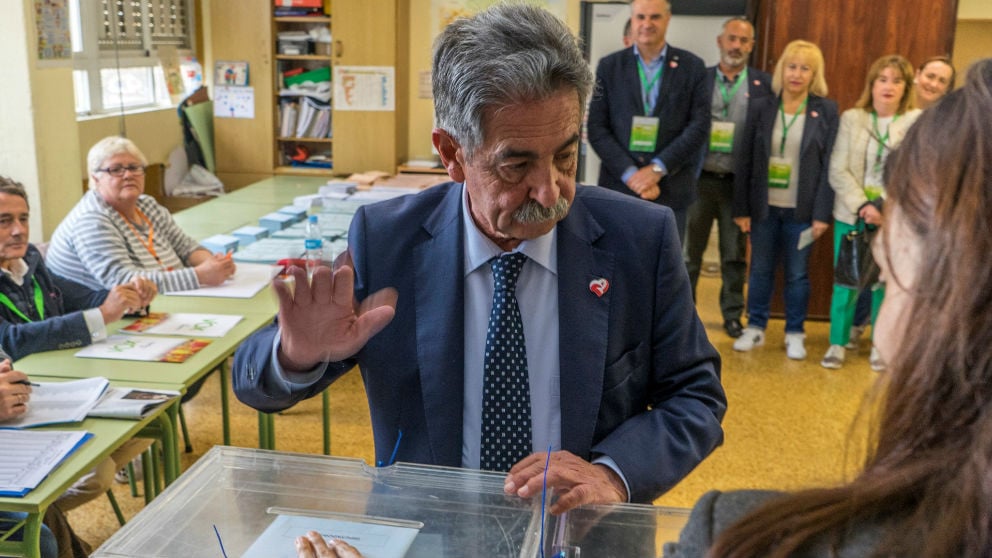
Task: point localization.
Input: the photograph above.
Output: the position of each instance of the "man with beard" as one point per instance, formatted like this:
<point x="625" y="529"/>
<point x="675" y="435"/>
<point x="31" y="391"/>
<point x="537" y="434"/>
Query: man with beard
<point x="648" y="119"/>
<point x="510" y="311"/>
<point x="734" y="84"/>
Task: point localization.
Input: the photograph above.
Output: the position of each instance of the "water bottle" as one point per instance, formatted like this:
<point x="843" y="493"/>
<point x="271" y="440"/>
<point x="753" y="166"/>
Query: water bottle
<point x="314" y="245"/>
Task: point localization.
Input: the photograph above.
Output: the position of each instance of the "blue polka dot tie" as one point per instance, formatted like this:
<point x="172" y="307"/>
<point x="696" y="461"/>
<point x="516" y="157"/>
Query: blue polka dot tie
<point x="506" y="427"/>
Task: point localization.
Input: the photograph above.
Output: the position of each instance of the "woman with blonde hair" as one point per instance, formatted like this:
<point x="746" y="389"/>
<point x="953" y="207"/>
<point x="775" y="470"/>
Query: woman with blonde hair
<point x="868" y="132"/>
<point x="925" y="488"/>
<point x="781" y="194"/>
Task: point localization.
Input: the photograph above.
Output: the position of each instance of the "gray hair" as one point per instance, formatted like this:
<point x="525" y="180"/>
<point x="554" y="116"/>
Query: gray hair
<point x="14" y="188"/>
<point x="510" y="54"/>
<point x="107" y="148"/>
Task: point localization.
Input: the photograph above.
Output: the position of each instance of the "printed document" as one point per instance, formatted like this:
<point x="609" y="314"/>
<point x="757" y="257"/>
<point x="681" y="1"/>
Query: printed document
<point x="373" y="537"/>
<point x="60" y="402"/>
<point x="30" y="455"/>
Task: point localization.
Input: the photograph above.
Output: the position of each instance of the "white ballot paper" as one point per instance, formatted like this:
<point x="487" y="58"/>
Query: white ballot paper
<point x="373" y="537"/>
<point x="60" y="402"/>
<point x="805" y="238"/>
<point x="247" y="281"/>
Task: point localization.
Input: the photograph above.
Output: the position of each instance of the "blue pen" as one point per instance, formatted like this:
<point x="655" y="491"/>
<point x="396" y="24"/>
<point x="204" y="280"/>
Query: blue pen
<point x="544" y="496"/>
<point x="396" y="448"/>
<point x="220" y="542"/>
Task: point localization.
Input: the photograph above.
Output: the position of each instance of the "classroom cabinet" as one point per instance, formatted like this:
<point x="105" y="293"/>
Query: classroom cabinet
<point x="364" y="33"/>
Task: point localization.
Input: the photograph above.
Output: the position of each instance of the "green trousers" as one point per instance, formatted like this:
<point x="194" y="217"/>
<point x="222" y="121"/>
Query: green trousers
<point x="844" y="300"/>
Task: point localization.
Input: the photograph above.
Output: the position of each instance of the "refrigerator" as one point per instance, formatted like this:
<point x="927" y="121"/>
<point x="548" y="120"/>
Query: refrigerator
<point x="694" y="27"/>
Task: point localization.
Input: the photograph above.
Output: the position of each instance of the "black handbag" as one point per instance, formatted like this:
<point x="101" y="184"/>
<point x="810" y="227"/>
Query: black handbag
<point x="856" y="268"/>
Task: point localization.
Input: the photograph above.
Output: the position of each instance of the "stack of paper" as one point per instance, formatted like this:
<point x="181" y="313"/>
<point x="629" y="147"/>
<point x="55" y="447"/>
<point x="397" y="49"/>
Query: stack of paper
<point x="29" y="457"/>
<point x="60" y="402"/>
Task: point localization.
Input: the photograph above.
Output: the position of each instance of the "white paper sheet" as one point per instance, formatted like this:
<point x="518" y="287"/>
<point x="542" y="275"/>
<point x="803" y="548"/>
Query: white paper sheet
<point x="60" y="402"/>
<point x="373" y="540"/>
<point x="247" y="281"/>
<point x="193" y="325"/>
<point x="132" y="347"/>
<point x="29" y="456"/>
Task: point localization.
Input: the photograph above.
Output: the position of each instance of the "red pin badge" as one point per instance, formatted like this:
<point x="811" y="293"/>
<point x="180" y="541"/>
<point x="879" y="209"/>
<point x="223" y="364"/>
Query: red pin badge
<point x="599" y="286"/>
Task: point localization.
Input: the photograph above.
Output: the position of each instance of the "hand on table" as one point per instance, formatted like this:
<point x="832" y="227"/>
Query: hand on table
<point x="215" y="269"/>
<point x="576" y="481"/>
<point x="121" y="300"/>
<point x="313" y="545"/>
<point x="14" y="395"/>
<point x="321" y="321"/>
<point x="146" y="290"/>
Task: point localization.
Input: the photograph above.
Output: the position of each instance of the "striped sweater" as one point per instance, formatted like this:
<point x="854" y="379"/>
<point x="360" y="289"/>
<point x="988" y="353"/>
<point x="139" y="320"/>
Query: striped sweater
<point x="95" y="246"/>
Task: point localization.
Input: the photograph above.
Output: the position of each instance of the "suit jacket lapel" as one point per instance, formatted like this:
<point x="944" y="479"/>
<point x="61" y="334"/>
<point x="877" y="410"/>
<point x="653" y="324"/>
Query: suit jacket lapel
<point x="440" y="324"/>
<point x="634" y="80"/>
<point x="813" y="121"/>
<point x="582" y="348"/>
<point x="669" y="69"/>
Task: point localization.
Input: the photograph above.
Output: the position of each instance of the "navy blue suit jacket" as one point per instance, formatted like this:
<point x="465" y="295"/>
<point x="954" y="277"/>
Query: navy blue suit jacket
<point x="683" y="108"/>
<point x="63" y="326"/>
<point x="816" y="197"/>
<point x="639" y="379"/>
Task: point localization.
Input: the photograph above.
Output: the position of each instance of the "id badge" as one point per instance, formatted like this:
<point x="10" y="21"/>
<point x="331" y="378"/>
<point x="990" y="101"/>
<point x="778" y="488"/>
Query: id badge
<point x="873" y="191"/>
<point x="722" y="137"/>
<point x="644" y="134"/>
<point x="779" y="172"/>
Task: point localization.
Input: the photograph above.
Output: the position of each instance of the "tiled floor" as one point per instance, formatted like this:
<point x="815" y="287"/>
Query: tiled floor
<point x="788" y="424"/>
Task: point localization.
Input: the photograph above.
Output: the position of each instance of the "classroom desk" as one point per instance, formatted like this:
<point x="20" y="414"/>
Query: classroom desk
<point x="108" y="435"/>
<point x="62" y="363"/>
<point x="464" y="512"/>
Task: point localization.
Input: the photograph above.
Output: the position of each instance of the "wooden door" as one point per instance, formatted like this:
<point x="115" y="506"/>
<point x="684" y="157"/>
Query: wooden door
<point x="365" y="34"/>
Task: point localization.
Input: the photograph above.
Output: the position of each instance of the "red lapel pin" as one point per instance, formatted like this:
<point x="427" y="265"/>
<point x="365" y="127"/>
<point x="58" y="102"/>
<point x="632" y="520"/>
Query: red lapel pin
<point x="599" y="286"/>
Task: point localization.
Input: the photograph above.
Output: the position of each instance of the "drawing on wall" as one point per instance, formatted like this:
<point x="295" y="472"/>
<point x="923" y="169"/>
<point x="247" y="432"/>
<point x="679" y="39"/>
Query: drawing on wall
<point x="444" y="12"/>
<point x="51" y="19"/>
<point x="231" y="73"/>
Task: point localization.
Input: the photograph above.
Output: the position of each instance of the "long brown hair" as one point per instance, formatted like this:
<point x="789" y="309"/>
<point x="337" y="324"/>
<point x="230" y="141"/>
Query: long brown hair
<point x="905" y="70"/>
<point x="929" y="477"/>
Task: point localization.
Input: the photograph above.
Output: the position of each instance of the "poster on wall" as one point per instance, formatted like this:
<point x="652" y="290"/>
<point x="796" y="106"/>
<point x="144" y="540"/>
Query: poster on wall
<point x="364" y="88"/>
<point x="444" y="12"/>
<point x="51" y="19"/>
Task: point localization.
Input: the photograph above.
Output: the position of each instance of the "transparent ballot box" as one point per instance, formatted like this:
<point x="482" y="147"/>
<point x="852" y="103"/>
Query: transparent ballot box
<point x="254" y="501"/>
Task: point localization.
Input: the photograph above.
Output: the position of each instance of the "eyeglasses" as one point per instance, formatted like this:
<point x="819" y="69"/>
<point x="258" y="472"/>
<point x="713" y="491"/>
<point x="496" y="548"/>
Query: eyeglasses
<point x="135" y="170"/>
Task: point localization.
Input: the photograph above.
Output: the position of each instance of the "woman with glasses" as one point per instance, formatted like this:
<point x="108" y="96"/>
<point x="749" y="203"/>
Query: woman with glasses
<point x="116" y="232"/>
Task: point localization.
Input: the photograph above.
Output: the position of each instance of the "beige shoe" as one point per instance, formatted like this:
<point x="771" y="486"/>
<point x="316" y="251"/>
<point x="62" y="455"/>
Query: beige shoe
<point x="875" y="360"/>
<point x="834" y="358"/>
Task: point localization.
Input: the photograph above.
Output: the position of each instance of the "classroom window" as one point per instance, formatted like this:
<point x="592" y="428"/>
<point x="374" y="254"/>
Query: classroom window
<point x="118" y="46"/>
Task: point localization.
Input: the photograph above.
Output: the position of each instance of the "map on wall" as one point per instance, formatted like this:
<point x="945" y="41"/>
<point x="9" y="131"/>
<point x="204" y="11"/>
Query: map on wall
<point x="444" y="12"/>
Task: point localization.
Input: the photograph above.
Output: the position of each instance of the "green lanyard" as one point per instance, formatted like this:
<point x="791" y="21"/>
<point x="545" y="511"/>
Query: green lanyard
<point x="882" y="140"/>
<point x="647" y="85"/>
<point x="729" y="95"/>
<point x="39" y="303"/>
<point x="786" y="126"/>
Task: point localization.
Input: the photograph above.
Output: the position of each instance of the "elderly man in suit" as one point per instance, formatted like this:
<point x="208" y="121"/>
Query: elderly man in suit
<point x="734" y="85"/>
<point x="649" y="119"/>
<point x="509" y="311"/>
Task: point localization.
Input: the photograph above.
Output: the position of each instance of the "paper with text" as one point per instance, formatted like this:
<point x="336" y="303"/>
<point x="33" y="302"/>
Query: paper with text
<point x="60" y="402"/>
<point x="137" y="347"/>
<point x="193" y="325"/>
<point x="30" y="455"/>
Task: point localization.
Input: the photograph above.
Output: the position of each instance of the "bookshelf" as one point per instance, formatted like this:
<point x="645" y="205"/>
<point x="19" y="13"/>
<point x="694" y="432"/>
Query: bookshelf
<point x="303" y="125"/>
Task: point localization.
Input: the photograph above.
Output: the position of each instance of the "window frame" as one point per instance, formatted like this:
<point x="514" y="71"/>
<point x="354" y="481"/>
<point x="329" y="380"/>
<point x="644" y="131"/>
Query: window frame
<point x="89" y="58"/>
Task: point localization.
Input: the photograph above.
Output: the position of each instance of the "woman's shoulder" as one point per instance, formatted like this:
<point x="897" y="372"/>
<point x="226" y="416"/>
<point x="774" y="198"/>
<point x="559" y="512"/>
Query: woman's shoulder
<point x="712" y="514"/>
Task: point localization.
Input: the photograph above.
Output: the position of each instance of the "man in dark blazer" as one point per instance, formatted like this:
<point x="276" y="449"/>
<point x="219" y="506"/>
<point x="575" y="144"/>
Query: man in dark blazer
<point x="624" y="385"/>
<point x="649" y="115"/>
<point x="734" y="85"/>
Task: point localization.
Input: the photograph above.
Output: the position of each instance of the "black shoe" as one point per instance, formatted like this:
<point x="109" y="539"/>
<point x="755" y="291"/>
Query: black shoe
<point x="733" y="328"/>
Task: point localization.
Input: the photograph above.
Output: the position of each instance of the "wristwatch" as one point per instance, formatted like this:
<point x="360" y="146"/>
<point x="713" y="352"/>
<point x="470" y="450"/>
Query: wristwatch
<point x="656" y="168"/>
